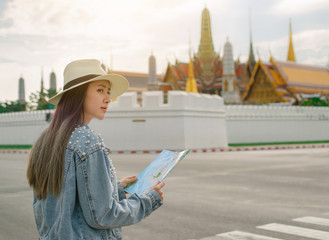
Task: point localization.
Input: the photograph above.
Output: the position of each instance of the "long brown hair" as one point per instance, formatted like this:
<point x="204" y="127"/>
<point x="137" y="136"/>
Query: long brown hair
<point x="46" y="159"/>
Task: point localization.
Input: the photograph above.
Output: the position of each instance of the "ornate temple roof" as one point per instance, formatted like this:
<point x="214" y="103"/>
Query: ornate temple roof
<point x="291" y="80"/>
<point x="239" y="70"/>
<point x="304" y="77"/>
<point x="275" y="79"/>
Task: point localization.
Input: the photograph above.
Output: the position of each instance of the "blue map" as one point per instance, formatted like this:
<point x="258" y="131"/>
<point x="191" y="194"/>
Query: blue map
<point x="158" y="170"/>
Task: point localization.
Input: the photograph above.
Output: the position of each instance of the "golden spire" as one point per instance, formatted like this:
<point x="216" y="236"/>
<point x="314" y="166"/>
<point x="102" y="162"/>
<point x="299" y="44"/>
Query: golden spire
<point x="251" y="59"/>
<point x="291" y="54"/>
<point x="206" y="47"/>
<point x="191" y="83"/>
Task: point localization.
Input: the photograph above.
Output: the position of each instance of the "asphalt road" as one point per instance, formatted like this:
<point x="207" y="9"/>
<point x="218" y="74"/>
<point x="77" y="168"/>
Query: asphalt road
<point x="205" y="195"/>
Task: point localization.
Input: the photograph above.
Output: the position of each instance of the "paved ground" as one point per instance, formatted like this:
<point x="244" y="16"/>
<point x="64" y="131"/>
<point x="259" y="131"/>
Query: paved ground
<point x="237" y="195"/>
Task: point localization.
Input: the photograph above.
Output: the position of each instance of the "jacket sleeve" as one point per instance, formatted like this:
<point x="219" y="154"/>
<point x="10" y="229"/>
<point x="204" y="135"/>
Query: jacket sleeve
<point x="100" y="209"/>
<point x="121" y="192"/>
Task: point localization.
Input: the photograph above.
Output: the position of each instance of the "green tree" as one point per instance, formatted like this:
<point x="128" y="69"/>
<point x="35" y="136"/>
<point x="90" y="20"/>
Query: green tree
<point x="12" y="106"/>
<point x="315" y="101"/>
<point x="39" y="100"/>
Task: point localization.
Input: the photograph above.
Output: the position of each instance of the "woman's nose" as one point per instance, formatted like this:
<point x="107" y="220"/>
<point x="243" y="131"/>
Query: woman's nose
<point x="107" y="99"/>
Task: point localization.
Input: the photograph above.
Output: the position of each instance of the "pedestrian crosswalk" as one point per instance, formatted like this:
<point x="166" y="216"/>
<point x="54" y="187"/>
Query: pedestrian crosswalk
<point x="298" y="231"/>
<point x="313" y="220"/>
<point x="243" y="235"/>
<point x="285" y="231"/>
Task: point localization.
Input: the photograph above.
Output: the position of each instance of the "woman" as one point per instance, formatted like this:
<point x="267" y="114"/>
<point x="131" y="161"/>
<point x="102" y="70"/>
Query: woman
<point x="76" y="195"/>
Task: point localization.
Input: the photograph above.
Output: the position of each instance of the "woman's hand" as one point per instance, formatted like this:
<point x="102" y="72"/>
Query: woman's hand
<point x="124" y="181"/>
<point x="157" y="187"/>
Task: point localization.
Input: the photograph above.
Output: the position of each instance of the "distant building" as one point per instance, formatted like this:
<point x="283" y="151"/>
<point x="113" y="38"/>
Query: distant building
<point x="52" y="81"/>
<point x="42" y="88"/>
<point x="251" y="82"/>
<point x="138" y="82"/>
<point x="21" y="90"/>
<point x="289" y="82"/>
<point x="141" y="82"/>
<point x="207" y="66"/>
<point x="230" y="91"/>
<point x="153" y="82"/>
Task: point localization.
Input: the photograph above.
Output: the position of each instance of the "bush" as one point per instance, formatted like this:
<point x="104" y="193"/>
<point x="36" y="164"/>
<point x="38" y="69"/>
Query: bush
<point x="316" y="101"/>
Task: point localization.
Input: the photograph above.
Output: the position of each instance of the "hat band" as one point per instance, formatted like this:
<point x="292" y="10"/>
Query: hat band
<point x="79" y="80"/>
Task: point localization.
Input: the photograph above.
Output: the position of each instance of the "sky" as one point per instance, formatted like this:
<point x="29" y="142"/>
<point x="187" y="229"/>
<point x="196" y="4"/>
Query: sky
<point x="48" y="34"/>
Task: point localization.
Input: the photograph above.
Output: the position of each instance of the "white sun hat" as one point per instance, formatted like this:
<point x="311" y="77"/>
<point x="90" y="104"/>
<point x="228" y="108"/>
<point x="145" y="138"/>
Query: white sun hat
<point x="83" y="71"/>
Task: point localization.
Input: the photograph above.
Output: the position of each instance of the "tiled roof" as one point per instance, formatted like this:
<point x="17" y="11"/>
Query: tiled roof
<point x="309" y="89"/>
<point x="268" y="68"/>
<point x="184" y="67"/>
<point x="239" y="70"/>
<point x="166" y="88"/>
<point x="304" y="75"/>
<point x="136" y="80"/>
<point x="177" y="73"/>
<point x="184" y="70"/>
<point x="135" y="74"/>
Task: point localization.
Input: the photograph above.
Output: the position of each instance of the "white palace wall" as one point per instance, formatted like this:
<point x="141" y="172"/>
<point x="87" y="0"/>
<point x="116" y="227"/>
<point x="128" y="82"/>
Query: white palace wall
<point x="188" y="120"/>
<point x="22" y="128"/>
<point x="269" y="124"/>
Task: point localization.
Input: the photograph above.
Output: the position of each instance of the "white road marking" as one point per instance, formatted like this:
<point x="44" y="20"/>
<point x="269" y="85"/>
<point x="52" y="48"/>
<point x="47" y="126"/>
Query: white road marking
<point x="313" y="220"/>
<point x="298" y="231"/>
<point x="237" y="235"/>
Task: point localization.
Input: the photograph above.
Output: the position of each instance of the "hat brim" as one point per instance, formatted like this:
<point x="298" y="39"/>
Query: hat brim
<point x="119" y="85"/>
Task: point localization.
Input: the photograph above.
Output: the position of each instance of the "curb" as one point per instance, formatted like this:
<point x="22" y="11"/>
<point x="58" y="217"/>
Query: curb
<point x="206" y="150"/>
<point x="232" y="149"/>
<point x="14" y="151"/>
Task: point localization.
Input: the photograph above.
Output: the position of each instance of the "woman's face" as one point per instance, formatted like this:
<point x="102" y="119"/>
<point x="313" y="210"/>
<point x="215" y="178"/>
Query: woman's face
<point x="97" y="100"/>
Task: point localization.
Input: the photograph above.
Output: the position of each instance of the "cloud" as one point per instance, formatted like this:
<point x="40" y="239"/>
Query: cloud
<point x="46" y="17"/>
<point x="316" y="52"/>
<point x="289" y="7"/>
<point x="6" y="60"/>
<point x="35" y="33"/>
<point x="126" y="19"/>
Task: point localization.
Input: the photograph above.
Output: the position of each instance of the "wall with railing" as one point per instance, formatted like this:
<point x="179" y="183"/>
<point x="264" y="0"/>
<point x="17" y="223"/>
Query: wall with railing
<point x="22" y="128"/>
<point x="187" y="120"/>
<point x="269" y="124"/>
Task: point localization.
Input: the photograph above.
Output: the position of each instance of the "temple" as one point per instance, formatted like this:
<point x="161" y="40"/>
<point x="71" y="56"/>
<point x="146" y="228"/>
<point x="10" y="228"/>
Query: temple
<point x="286" y="82"/>
<point x="289" y="82"/>
<point x="250" y="83"/>
<point x="207" y="67"/>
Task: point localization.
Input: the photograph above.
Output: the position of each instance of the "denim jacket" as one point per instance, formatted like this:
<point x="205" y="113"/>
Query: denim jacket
<point x="91" y="203"/>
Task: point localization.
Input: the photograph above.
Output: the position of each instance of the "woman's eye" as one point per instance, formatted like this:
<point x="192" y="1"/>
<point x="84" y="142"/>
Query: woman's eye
<point x="100" y="90"/>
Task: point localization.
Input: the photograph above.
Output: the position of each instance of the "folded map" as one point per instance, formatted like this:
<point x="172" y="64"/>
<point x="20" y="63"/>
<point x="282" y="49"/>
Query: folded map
<point x="156" y="171"/>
